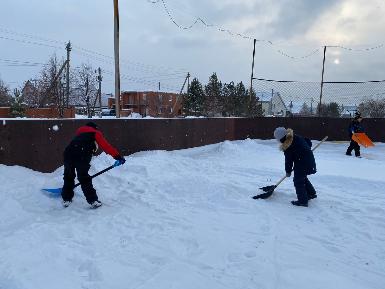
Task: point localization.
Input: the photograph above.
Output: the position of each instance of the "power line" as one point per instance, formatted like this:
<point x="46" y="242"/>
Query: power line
<point x="269" y="42"/>
<point x="40" y="39"/>
<point x="9" y="61"/>
<point x="137" y="64"/>
<point x="31" y="36"/>
<point x="155" y="73"/>
<point x="29" y="42"/>
<point x="356" y="49"/>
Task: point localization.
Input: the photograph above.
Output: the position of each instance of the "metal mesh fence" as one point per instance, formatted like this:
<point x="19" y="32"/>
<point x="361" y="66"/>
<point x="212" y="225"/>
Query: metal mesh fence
<point x="338" y="99"/>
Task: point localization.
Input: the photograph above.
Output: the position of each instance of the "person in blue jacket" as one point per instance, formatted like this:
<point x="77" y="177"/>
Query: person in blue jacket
<point x="300" y="159"/>
<point x="355" y="126"/>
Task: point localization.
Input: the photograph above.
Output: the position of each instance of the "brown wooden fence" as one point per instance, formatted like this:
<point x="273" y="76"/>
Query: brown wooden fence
<point x="39" y="144"/>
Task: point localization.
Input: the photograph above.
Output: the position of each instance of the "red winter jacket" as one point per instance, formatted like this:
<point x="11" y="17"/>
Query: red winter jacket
<point x="82" y="145"/>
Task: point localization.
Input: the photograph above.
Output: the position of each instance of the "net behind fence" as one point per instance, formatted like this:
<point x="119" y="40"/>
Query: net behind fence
<point x="338" y="99"/>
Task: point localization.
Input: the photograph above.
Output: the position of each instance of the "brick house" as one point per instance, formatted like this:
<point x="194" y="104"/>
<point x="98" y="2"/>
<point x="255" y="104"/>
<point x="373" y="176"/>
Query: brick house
<point x="150" y="103"/>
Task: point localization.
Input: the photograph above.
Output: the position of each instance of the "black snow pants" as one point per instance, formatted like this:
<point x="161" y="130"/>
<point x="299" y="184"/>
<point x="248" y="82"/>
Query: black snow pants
<point x="353" y="146"/>
<point x="303" y="187"/>
<point x="81" y="168"/>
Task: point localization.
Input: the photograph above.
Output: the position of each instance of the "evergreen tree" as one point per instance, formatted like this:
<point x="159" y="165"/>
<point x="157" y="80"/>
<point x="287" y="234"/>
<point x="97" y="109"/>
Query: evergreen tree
<point x="213" y="96"/>
<point x="254" y="106"/>
<point x="5" y="98"/>
<point x="334" y="110"/>
<point x="329" y="110"/>
<point x="305" y="110"/>
<point x="193" y="101"/>
<point x="229" y="97"/>
<point x="241" y="101"/>
<point x="17" y="108"/>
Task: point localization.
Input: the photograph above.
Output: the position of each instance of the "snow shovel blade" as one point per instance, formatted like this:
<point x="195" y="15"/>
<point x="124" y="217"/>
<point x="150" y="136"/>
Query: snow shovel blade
<point x="268" y="192"/>
<point x="53" y="192"/>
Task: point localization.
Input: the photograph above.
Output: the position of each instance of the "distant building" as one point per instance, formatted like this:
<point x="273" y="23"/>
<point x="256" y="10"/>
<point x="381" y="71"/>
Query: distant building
<point x="349" y="110"/>
<point x="272" y="104"/>
<point x="29" y="94"/>
<point x="150" y="103"/>
<point x="105" y="97"/>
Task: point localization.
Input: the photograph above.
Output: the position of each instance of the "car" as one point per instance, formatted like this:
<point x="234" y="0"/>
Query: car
<point x="108" y="112"/>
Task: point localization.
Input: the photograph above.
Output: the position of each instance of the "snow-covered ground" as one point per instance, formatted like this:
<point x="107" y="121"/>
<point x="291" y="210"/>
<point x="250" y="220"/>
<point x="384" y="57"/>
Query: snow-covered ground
<point x="185" y="220"/>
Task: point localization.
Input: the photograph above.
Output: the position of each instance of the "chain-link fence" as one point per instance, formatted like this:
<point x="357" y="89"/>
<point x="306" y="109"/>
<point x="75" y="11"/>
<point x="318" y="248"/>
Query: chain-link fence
<point x="330" y="99"/>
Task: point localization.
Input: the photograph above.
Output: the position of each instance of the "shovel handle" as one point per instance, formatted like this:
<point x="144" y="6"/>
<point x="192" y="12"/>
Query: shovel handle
<point x="280" y="181"/>
<point x="318" y="144"/>
<point x="97" y="174"/>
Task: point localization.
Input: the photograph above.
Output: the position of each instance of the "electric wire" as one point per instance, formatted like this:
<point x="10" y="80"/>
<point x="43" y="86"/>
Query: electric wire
<point x="269" y="42"/>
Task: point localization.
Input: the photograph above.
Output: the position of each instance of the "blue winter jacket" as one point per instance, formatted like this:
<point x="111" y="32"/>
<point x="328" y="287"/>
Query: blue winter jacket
<point x="355" y="126"/>
<point x="298" y="153"/>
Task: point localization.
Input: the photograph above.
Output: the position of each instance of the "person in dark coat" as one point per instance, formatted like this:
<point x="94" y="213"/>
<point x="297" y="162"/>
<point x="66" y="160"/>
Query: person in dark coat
<point x="298" y="153"/>
<point x="354" y="127"/>
<point x="77" y="157"/>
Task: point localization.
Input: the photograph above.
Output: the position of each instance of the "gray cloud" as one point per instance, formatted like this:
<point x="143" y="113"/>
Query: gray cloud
<point x="149" y="38"/>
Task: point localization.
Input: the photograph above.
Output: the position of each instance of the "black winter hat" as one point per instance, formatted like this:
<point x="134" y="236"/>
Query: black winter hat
<point x="357" y="115"/>
<point x="92" y="124"/>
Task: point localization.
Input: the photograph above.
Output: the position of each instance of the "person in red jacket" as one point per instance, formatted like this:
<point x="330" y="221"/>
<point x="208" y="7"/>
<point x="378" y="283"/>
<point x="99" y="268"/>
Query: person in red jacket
<point x="77" y="157"/>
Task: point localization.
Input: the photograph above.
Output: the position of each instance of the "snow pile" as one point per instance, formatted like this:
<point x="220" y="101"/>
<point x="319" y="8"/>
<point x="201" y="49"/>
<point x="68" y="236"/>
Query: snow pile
<point x="185" y="219"/>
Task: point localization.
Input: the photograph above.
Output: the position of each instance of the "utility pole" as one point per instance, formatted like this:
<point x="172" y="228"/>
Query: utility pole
<point x="311" y="106"/>
<point x="252" y="74"/>
<point x="68" y="48"/>
<point x="100" y="90"/>
<point x="322" y="82"/>
<point x="187" y="79"/>
<point x="159" y="86"/>
<point x="116" y="50"/>
<point x="188" y="83"/>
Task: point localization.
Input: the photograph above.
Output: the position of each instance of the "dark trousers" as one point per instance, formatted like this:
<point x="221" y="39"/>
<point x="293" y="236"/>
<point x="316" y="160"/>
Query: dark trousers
<point x="303" y="187"/>
<point x="353" y="146"/>
<point x="84" y="178"/>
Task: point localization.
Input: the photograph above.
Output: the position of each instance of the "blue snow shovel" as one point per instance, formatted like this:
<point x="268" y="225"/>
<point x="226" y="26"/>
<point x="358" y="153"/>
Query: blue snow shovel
<point x="57" y="192"/>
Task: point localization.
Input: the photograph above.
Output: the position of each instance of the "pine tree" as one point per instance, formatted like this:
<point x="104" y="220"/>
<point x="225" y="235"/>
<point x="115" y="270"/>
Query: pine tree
<point x="5" y="98"/>
<point x="229" y="97"/>
<point x="213" y="96"/>
<point x="305" y="110"/>
<point x="329" y="110"/>
<point x="193" y="102"/>
<point x="241" y="103"/>
<point x="17" y="108"/>
<point x="254" y="106"/>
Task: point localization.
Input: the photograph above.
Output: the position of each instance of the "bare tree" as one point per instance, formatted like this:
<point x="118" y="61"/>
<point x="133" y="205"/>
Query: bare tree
<point x="84" y="90"/>
<point x="305" y="110"/>
<point x="44" y="91"/>
<point x="48" y="83"/>
<point x="372" y="108"/>
<point x="5" y="97"/>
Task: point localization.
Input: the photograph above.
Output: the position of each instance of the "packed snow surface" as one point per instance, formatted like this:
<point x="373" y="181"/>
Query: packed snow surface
<point x="185" y="220"/>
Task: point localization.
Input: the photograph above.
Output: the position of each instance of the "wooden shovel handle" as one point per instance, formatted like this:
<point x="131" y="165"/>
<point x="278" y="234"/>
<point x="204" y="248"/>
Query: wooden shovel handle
<point x="313" y="149"/>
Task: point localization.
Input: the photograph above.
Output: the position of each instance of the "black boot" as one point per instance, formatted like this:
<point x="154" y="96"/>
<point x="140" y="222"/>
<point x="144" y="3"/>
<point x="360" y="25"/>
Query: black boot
<point x="297" y="203"/>
<point x="311" y="193"/>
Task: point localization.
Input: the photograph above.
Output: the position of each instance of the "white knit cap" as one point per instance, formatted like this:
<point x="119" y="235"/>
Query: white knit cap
<point x="279" y="133"/>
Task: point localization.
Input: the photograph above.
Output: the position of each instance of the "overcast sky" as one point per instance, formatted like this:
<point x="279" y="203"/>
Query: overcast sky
<point x="154" y="49"/>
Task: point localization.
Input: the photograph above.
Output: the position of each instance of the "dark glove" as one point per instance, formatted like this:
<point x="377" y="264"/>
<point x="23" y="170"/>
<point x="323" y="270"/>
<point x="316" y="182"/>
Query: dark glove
<point x="119" y="160"/>
<point x="288" y="175"/>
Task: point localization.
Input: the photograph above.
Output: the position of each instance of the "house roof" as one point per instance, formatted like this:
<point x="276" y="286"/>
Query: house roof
<point x="263" y="96"/>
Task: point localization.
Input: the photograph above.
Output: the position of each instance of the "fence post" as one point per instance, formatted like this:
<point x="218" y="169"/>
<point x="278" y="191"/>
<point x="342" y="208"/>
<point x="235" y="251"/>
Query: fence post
<point x="322" y="83"/>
